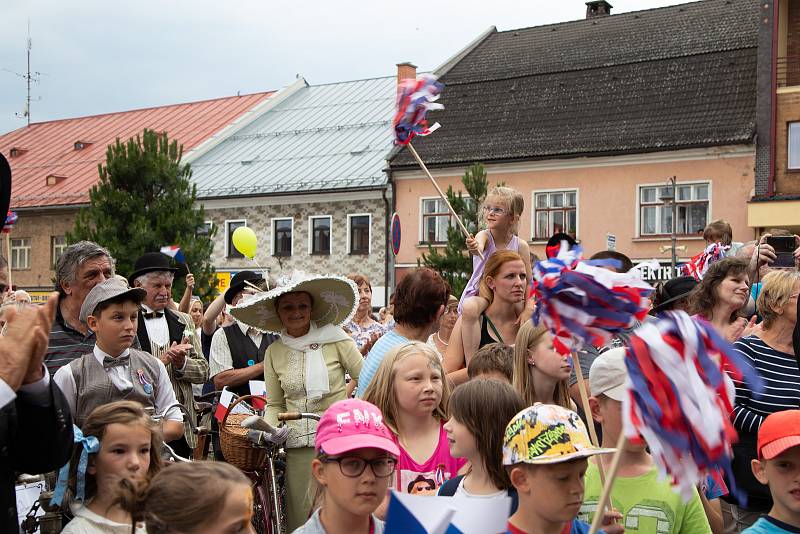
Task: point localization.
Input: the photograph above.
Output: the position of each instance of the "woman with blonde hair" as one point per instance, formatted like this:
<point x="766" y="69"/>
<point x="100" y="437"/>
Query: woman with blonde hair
<point x="771" y="353"/>
<point x="540" y="373"/>
<point x="503" y="286"/>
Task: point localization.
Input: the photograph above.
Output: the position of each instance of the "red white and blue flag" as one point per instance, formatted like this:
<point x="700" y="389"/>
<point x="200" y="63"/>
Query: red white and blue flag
<point x="414" y="99"/>
<point x="174" y="252"/>
<point x="11" y="220"/>
<point x="425" y="514"/>
<point x="698" y="265"/>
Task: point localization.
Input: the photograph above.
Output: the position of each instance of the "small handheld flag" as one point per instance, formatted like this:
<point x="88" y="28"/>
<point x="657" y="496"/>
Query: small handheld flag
<point x="698" y="265"/>
<point x="414" y="99"/>
<point x="174" y="252"/>
<point x="11" y="220"/>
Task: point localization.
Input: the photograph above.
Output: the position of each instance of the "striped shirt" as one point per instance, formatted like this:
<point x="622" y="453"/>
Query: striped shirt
<point x="781" y="384"/>
<point x="66" y="344"/>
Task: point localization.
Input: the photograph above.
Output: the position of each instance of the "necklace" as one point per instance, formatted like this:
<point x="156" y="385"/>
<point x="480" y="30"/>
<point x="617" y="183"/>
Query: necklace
<point x="442" y="341"/>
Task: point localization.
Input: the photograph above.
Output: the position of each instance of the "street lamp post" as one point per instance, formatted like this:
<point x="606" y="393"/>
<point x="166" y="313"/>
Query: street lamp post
<point x="671" y="197"/>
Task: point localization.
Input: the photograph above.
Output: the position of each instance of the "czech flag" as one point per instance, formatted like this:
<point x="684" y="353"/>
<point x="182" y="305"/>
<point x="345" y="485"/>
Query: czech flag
<point x="258" y="388"/>
<point x="423" y="514"/>
<point x="174" y="252"/>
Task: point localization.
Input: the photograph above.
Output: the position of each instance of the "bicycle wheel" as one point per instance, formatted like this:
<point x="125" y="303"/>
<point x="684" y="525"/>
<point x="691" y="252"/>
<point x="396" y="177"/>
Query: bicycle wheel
<point x="261" y="507"/>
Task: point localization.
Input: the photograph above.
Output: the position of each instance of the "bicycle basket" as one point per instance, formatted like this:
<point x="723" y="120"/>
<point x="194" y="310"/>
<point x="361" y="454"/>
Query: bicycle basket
<point x="236" y="448"/>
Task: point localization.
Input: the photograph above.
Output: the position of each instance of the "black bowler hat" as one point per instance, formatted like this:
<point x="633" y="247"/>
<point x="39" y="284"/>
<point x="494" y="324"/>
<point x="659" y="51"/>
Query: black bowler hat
<point x="150" y="262"/>
<point x="674" y="289"/>
<point x="238" y="283"/>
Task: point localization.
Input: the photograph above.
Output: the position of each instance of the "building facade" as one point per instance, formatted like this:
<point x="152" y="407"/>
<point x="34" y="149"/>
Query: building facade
<point x="307" y="176"/>
<point x="777" y="186"/>
<point x="54" y="165"/>
<point x="590" y="119"/>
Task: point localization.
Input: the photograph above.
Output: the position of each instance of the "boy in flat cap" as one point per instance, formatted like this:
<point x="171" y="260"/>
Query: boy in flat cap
<point x="115" y="371"/>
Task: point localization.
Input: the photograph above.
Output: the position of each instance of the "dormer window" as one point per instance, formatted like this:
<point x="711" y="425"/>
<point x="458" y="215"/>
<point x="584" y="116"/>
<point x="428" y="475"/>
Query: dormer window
<point x="80" y="145"/>
<point x="17" y="151"/>
<point x="54" y="179"/>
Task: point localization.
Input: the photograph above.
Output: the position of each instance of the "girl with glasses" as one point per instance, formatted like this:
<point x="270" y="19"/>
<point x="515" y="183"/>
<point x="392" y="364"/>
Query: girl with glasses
<point x="353" y="467"/>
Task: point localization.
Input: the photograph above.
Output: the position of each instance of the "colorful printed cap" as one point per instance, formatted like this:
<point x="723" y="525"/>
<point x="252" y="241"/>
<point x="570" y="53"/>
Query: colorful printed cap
<point x="547" y="434"/>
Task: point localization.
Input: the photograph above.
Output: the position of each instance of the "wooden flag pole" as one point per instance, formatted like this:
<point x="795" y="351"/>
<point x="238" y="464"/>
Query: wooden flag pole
<point x="587" y="411"/>
<point x="441" y="193"/>
<point x="608" y="485"/>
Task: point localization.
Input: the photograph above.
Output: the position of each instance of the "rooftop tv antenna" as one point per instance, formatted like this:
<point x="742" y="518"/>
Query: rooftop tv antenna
<point x="29" y="77"/>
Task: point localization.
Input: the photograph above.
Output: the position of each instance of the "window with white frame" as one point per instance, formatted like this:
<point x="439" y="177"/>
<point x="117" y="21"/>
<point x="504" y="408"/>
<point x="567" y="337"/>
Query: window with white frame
<point x="691" y="208"/>
<point x="436" y="219"/>
<point x="230" y="227"/>
<point x="359" y="228"/>
<point x="282" y="236"/>
<point x="21" y="253"/>
<point x="319" y="234"/>
<point x="793" y="145"/>
<point x="58" y="243"/>
<point x="208" y="227"/>
<point x="555" y="212"/>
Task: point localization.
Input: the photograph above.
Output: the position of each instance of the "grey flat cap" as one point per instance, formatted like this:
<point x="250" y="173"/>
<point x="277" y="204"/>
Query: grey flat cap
<point x="110" y="289"/>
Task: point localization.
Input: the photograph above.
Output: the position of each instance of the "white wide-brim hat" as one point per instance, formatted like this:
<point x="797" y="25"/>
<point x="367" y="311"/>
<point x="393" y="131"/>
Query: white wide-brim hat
<point x="335" y="301"/>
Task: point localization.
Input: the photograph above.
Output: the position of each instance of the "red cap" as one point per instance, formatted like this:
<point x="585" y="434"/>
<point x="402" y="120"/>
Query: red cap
<point x="779" y="431"/>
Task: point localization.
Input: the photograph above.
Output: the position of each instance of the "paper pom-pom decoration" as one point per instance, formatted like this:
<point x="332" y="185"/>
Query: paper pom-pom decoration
<point x="584" y="304"/>
<point x="698" y="265"/>
<point x="678" y="399"/>
<point x="414" y="99"/>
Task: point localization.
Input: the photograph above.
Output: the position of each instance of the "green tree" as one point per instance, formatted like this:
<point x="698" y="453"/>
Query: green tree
<point x="144" y="201"/>
<point x="455" y="263"/>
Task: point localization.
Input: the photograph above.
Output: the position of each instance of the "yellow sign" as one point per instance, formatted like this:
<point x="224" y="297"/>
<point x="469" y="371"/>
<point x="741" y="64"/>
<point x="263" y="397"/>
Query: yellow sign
<point x="223" y="280"/>
<point x="39" y="297"/>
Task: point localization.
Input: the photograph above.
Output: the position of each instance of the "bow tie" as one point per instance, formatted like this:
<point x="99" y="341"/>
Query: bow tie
<point x="153" y="315"/>
<point x="109" y="362"/>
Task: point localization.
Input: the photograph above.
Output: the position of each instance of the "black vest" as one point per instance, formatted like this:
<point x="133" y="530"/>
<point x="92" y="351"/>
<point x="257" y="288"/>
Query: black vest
<point x="244" y="352"/>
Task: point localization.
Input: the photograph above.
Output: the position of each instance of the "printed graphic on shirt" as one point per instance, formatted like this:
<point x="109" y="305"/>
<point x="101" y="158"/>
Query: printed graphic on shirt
<point x="647" y="515"/>
<point x="423" y="483"/>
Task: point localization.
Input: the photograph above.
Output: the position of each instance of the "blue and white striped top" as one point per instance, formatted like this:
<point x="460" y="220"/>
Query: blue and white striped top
<point x="781" y="384"/>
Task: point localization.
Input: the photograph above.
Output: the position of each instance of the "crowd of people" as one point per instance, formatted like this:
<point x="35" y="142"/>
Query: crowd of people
<point x="439" y="394"/>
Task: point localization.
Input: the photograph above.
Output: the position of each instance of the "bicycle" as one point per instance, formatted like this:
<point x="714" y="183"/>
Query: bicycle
<point x="201" y="450"/>
<point x="269" y="486"/>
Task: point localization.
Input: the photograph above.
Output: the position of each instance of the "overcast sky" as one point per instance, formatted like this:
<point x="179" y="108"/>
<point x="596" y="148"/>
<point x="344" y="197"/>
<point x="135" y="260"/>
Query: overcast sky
<point x="104" y="56"/>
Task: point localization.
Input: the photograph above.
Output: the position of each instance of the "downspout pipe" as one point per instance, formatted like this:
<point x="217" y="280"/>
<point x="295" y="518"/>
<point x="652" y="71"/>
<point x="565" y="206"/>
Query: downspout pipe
<point x="774" y="99"/>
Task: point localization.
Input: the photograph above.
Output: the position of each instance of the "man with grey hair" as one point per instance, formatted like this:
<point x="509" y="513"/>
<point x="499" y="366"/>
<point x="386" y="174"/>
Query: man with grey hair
<point x="170" y="336"/>
<point x="79" y="268"/>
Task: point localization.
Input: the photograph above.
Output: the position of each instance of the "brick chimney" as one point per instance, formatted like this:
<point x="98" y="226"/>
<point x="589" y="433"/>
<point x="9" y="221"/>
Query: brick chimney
<point x="405" y="71"/>
<point x="597" y="8"/>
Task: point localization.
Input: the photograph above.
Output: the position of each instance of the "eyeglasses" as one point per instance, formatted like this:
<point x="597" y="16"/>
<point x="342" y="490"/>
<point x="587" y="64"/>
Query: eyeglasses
<point x="451" y="309"/>
<point x="353" y="466"/>
<point x="494" y="210"/>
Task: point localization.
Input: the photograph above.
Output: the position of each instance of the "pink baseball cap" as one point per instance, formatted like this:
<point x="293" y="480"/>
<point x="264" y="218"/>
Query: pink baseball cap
<point x="352" y="424"/>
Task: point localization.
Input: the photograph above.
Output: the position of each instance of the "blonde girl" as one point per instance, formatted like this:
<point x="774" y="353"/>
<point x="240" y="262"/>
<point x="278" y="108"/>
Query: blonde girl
<point x="192" y="498"/>
<point x="119" y="442"/>
<point x="540" y="373"/>
<point x="500" y="215"/>
<point x="410" y="390"/>
<point x="479" y="412"/>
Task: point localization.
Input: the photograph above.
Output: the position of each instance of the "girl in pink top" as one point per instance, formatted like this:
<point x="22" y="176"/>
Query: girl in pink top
<point x="410" y="390"/>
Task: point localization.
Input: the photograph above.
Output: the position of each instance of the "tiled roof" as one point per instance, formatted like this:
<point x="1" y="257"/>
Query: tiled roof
<point x="668" y="78"/>
<point x="322" y="137"/>
<point x="49" y="147"/>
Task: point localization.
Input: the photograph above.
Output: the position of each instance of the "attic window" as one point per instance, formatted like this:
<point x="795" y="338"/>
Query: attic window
<point x="80" y="145"/>
<point x="53" y="179"/>
<point x="17" y="151"/>
<point x="359" y="151"/>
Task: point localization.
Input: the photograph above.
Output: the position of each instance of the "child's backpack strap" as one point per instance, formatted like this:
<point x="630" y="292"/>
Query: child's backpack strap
<point x="448" y="489"/>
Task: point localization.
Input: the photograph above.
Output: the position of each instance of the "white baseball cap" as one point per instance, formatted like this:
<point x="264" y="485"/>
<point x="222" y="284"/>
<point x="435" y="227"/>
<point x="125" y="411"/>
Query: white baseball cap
<point x="607" y="374"/>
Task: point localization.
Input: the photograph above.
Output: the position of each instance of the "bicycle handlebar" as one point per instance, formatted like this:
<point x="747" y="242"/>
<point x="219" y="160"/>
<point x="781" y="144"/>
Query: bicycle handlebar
<point x="294" y="416"/>
<point x="182" y="408"/>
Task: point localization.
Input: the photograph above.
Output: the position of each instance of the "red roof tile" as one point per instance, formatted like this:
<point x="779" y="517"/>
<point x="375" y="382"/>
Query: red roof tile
<point x="50" y="146"/>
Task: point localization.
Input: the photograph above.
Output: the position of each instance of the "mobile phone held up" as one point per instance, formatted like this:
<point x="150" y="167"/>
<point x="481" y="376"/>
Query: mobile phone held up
<point x="784" y="248"/>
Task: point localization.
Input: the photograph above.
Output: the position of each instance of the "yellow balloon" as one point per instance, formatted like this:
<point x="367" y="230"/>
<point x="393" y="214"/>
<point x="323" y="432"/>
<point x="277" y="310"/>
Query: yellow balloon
<point x="245" y="241"/>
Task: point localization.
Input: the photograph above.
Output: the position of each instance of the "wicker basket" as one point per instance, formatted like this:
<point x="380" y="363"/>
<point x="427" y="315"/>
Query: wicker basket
<point x="236" y="447"/>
